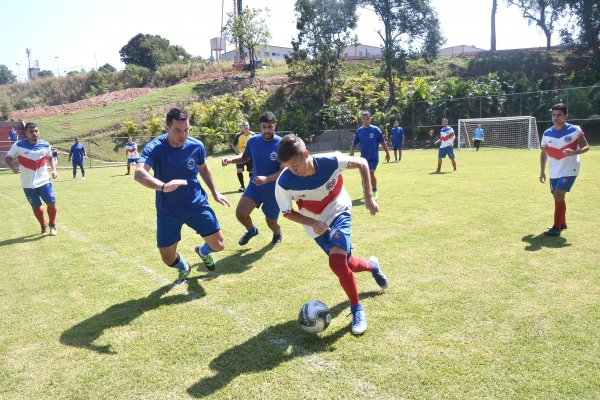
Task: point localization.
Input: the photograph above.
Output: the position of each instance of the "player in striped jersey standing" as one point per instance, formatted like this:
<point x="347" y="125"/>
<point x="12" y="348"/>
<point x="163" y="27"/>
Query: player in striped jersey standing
<point x="33" y="155"/>
<point x="561" y="146"/>
<point x="447" y="147"/>
<point x="132" y="153"/>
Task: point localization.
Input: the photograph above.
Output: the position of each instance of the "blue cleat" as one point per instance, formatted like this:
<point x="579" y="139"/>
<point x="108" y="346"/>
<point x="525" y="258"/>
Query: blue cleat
<point x="277" y="238"/>
<point x="379" y="277"/>
<point x="247" y="236"/>
<point x="359" y="320"/>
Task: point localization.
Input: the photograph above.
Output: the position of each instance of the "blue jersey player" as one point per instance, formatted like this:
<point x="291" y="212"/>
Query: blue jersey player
<point x="369" y="137"/>
<point x="180" y="199"/>
<point x="397" y="140"/>
<point x="77" y="153"/>
<point x="262" y="149"/>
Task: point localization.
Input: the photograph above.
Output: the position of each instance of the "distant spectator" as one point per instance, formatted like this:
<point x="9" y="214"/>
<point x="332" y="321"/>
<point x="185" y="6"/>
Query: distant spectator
<point x="55" y="155"/>
<point x="132" y="153"/>
<point x="239" y="145"/>
<point x="78" y="154"/>
<point x="13" y="136"/>
<point x="397" y="141"/>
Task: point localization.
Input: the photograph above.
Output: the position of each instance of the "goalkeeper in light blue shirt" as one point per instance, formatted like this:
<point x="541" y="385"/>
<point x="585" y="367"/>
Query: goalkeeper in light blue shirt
<point x="478" y="137"/>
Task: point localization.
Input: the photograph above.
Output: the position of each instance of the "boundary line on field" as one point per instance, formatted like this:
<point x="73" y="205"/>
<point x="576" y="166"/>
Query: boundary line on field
<point x="310" y="358"/>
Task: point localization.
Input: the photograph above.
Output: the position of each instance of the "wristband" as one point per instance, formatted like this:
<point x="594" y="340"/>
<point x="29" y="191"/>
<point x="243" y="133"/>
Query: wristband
<point x="162" y="189"/>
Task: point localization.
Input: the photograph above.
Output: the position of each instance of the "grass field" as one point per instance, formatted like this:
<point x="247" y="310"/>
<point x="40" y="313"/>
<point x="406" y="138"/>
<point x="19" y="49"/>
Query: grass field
<point x="480" y="303"/>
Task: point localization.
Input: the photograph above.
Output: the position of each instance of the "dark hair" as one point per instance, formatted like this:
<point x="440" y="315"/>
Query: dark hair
<point x="560" y="106"/>
<point x="30" y="125"/>
<point x="289" y="147"/>
<point x="268" y="117"/>
<point x="178" y="114"/>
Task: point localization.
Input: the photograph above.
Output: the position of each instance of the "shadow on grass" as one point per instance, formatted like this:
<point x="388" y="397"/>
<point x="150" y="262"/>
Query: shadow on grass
<point x="268" y="349"/>
<point x="22" y="239"/>
<point x="239" y="262"/>
<point x="86" y="332"/>
<point x="536" y="243"/>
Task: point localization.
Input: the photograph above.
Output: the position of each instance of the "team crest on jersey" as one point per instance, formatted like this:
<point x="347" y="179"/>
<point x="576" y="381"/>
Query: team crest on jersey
<point x="43" y="153"/>
<point x="273" y="156"/>
<point x="191" y="164"/>
<point x="568" y="139"/>
<point x="371" y="135"/>
<point x="564" y="180"/>
<point x="336" y="234"/>
<point x="330" y="185"/>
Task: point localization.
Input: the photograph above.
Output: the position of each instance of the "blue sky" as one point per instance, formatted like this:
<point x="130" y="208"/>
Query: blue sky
<point x="91" y="33"/>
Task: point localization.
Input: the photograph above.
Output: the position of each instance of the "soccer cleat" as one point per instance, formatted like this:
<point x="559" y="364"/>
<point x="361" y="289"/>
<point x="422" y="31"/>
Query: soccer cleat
<point x="562" y="227"/>
<point x="247" y="236"/>
<point x="208" y="261"/>
<point x="359" y="321"/>
<point x="379" y="277"/>
<point x="437" y="171"/>
<point x="73" y="179"/>
<point x="127" y="173"/>
<point x="183" y="275"/>
<point x="375" y="195"/>
<point x="277" y="238"/>
<point x="242" y="189"/>
<point x="455" y="171"/>
<point x="83" y="179"/>
<point x="552" y="232"/>
<point x="44" y="230"/>
<point x="53" y="230"/>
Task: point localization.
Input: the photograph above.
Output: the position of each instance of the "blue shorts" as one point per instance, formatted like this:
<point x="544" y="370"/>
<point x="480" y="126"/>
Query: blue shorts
<point x="397" y="146"/>
<point x="33" y="195"/>
<point x="443" y="151"/>
<point x="77" y="164"/>
<point x="168" y="227"/>
<point x="132" y="160"/>
<point x="269" y="204"/>
<point x="337" y="235"/>
<point x="373" y="164"/>
<point x="565" y="183"/>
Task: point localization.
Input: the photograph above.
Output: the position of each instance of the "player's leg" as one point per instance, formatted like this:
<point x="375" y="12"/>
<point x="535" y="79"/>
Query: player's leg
<point x="441" y="156"/>
<point x="205" y="223"/>
<point x="372" y="265"/>
<point x="373" y="181"/>
<point x="128" y="167"/>
<point x="74" y="170"/>
<point x="82" y="170"/>
<point x="36" y="206"/>
<point x="395" y="153"/>
<point x="399" y="153"/>
<point x="559" y="188"/>
<point x="240" y="175"/>
<point x="168" y="235"/>
<point x="271" y="210"/>
<point x="248" y="202"/>
<point x="46" y="192"/>
<point x="452" y="157"/>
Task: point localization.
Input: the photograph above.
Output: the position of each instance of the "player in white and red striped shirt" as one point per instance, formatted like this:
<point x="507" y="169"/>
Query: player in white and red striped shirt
<point x="561" y="145"/>
<point x="33" y="154"/>
<point x="316" y="185"/>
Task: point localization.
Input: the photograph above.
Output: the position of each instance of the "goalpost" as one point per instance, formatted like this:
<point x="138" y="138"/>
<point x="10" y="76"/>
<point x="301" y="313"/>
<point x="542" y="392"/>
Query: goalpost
<point x="506" y="132"/>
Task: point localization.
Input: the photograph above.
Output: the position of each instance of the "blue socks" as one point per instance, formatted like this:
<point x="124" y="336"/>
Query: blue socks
<point x="180" y="264"/>
<point x="356" y="308"/>
<point x="205" y="250"/>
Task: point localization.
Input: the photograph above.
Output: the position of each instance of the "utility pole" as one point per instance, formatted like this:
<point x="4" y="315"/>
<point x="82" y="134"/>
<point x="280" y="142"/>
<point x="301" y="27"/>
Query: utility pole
<point x="18" y="72"/>
<point x="28" y="51"/>
<point x="57" y="73"/>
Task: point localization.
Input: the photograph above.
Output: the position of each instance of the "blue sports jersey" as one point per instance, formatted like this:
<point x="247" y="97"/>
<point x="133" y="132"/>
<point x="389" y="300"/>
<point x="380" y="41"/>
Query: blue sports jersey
<point x="13" y="135"/>
<point x="478" y="134"/>
<point x="369" y="139"/>
<point x="264" y="160"/>
<point x="77" y="150"/>
<point x="397" y="136"/>
<point x="171" y="163"/>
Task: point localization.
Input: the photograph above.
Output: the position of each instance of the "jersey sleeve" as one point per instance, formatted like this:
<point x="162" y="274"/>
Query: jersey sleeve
<point x="236" y="139"/>
<point x="148" y="156"/>
<point x="356" y="138"/>
<point x="380" y="137"/>
<point x="544" y="142"/>
<point x="284" y="197"/>
<point x="13" y="152"/>
<point x="248" y="149"/>
<point x="201" y="156"/>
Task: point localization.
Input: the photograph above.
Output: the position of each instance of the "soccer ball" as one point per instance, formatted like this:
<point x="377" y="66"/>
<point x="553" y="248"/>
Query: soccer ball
<point x="314" y="316"/>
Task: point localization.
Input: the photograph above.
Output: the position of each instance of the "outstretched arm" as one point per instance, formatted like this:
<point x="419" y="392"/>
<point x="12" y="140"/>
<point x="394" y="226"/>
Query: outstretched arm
<point x="142" y="175"/>
<point x="363" y="168"/>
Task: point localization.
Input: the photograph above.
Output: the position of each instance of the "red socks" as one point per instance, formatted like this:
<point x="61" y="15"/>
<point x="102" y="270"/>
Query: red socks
<point x="39" y="214"/>
<point x="560" y="211"/>
<point x="339" y="266"/>
<point x="52" y="214"/>
<point x="358" y="265"/>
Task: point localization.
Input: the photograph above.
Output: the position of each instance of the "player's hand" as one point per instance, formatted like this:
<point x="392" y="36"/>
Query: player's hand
<point x="259" y="180"/>
<point x="543" y="177"/>
<point x="569" y="152"/>
<point x="226" y="161"/>
<point x="219" y="198"/>
<point x="54" y="174"/>
<point x="372" y="206"/>
<point x="387" y="157"/>
<point x="174" y="184"/>
<point x="320" y="227"/>
<point x="351" y="154"/>
<point x="16" y="170"/>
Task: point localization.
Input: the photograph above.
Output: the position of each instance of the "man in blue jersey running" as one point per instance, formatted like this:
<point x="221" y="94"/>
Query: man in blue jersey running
<point x="369" y="137"/>
<point x="262" y="149"/>
<point x="78" y="154"/>
<point x="180" y="199"/>
<point x="397" y="141"/>
<point x="446" y="148"/>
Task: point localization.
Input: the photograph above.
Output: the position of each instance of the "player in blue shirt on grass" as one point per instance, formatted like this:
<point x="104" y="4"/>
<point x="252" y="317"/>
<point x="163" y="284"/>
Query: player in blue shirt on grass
<point x="369" y="137"/>
<point x="397" y="141"/>
<point x="180" y="198"/>
<point x="262" y="149"/>
<point x="478" y="137"/>
<point x="78" y="154"/>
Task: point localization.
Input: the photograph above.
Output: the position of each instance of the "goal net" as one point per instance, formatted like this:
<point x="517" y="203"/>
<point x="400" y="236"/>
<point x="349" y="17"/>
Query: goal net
<point x="508" y="132"/>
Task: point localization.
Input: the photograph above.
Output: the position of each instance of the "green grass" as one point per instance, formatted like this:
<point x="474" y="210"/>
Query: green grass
<point x="480" y="304"/>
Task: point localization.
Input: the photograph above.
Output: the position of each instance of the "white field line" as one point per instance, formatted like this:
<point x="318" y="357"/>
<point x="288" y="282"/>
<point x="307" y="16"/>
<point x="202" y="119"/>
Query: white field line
<point x="310" y="358"/>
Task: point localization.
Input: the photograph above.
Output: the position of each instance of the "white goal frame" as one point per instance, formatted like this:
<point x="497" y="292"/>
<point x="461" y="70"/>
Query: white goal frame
<point x="504" y="132"/>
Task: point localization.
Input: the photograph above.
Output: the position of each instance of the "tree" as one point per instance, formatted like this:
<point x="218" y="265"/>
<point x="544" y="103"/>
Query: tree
<point x="45" y="73"/>
<point x="493" y="38"/>
<point x="249" y="31"/>
<point x="107" y="68"/>
<point x="324" y="33"/>
<point x="544" y="13"/>
<point x="6" y="75"/>
<point x="586" y="14"/>
<point x="405" y="22"/>
<point x="151" y="51"/>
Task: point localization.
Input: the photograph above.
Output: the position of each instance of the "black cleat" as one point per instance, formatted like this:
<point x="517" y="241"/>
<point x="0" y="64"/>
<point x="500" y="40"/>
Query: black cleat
<point x="247" y="236"/>
<point x="277" y="238"/>
<point x="552" y="232"/>
<point x="562" y="227"/>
